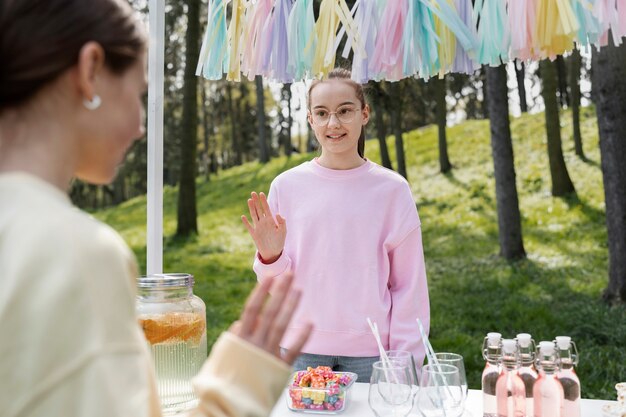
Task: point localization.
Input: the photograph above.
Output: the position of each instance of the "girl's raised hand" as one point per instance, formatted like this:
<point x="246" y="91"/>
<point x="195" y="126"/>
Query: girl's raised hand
<point x="264" y="321"/>
<point x="268" y="233"/>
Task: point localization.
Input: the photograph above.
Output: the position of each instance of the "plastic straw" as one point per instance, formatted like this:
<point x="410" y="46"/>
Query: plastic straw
<point x="432" y="358"/>
<point x="381" y="349"/>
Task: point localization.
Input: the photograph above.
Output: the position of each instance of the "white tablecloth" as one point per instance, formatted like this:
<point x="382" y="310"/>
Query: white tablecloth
<point x="357" y="405"/>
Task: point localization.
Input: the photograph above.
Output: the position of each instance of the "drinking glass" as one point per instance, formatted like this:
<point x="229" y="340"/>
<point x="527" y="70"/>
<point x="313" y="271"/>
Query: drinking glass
<point x="440" y="393"/>
<point x="406" y="357"/>
<point x="390" y="391"/>
<point x="456" y="360"/>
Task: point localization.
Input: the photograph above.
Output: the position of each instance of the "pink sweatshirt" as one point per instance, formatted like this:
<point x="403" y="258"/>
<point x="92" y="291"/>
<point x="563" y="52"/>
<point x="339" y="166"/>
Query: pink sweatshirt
<point x="354" y="243"/>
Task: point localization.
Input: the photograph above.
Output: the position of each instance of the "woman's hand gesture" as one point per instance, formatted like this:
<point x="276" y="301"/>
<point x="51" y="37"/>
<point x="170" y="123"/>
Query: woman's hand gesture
<point x="263" y="323"/>
<point x="268" y="233"/>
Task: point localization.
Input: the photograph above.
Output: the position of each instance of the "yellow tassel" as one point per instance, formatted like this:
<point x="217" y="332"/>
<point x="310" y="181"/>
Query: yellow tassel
<point x="447" y="48"/>
<point x="235" y="32"/>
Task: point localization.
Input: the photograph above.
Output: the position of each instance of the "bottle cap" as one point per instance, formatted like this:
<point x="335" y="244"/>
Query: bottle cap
<point x="509" y="346"/>
<point x="563" y="342"/>
<point x="493" y="338"/>
<point x="546" y="348"/>
<point x="523" y="339"/>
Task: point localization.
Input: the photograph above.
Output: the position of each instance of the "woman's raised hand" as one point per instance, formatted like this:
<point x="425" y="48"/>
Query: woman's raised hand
<point x="268" y="233"/>
<point x="263" y="323"/>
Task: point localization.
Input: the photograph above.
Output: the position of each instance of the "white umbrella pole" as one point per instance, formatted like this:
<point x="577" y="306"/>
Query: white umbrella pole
<point x="156" y="52"/>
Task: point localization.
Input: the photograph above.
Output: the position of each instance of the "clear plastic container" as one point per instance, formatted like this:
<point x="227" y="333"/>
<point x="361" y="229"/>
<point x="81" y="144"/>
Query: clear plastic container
<point x="327" y="397"/>
<point x="174" y="322"/>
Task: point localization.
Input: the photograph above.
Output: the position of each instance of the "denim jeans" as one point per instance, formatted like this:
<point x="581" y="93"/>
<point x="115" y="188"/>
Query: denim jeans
<point x="360" y="366"/>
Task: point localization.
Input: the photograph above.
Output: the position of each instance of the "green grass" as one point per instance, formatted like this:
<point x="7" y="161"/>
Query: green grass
<point x="555" y="291"/>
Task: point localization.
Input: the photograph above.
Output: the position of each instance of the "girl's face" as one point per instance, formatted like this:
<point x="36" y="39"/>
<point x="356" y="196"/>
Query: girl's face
<point x="337" y="116"/>
<point x="112" y="128"/>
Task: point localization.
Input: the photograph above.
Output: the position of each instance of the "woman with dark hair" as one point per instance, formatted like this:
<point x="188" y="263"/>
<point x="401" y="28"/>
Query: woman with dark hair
<point x="72" y="76"/>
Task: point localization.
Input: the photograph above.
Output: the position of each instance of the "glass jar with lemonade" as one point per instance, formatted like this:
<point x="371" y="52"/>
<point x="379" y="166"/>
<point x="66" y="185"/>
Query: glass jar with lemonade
<point x="174" y="322"/>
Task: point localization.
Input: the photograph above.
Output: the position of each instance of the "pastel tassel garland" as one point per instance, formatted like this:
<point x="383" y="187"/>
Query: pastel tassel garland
<point x="589" y="30"/>
<point x="493" y="31"/>
<point x="448" y="21"/>
<point x="211" y="63"/>
<point x="349" y="27"/>
<point x="521" y="15"/>
<point x="366" y="17"/>
<point x="235" y="35"/>
<point x="302" y="39"/>
<point x="332" y="13"/>
<point x="394" y="39"/>
<point x="257" y="40"/>
<point x="325" y="29"/>
<point x="389" y="42"/>
<point x="607" y="13"/>
<point x="555" y="29"/>
<point x="279" y="70"/>
<point x="465" y="61"/>
<point x="620" y="27"/>
<point x="410" y="59"/>
<point x="426" y="40"/>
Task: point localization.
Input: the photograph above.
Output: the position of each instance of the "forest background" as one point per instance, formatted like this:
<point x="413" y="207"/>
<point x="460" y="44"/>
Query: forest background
<point x="518" y="236"/>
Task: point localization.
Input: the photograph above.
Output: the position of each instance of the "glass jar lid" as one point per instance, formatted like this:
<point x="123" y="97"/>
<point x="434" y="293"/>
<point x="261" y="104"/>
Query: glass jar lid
<point x="165" y="281"/>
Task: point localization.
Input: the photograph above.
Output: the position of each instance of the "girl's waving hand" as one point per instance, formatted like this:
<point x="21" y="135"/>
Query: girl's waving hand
<point x="268" y="233"/>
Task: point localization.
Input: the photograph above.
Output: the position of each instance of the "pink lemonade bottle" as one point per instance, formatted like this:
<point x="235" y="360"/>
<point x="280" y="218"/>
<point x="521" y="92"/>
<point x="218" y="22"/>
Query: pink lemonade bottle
<point x="568" y="358"/>
<point x="548" y="392"/>
<point x="492" y="354"/>
<point x="527" y="370"/>
<point x="510" y="391"/>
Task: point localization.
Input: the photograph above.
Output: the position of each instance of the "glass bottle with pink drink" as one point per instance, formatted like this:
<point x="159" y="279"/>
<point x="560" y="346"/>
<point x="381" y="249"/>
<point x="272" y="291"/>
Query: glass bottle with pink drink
<point x="568" y="358"/>
<point x="492" y="354"/>
<point x="548" y="392"/>
<point x="510" y="391"/>
<point x="527" y="370"/>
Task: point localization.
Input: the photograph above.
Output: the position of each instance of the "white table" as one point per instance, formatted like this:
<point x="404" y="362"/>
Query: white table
<point x="357" y="405"/>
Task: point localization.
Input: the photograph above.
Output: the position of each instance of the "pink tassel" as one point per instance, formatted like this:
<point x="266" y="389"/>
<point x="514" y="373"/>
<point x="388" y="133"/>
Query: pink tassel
<point x="522" y="21"/>
<point x="257" y="40"/>
<point x="388" y="54"/>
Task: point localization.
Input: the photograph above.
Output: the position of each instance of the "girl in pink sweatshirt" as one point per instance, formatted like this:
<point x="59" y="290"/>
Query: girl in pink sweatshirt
<point x="350" y="231"/>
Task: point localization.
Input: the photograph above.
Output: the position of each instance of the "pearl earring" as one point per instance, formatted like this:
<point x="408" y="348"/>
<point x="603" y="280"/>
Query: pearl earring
<point x="92" y="104"/>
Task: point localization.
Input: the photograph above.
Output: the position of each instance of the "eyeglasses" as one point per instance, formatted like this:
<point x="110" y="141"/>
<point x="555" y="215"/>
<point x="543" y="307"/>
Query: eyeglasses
<point x="345" y="115"/>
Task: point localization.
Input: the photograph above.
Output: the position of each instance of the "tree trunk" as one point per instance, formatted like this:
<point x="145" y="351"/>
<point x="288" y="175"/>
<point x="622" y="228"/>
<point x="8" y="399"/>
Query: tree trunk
<point x="264" y="155"/>
<point x="561" y="70"/>
<point x="561" y="182"/>
<point x="287" y="122"/>
<point x="441" y="116"/>
<point x="574" y="85"/>
<point x="520" y="74"/>
<point x="396" y="122"/>
<point x="381" y="128"/>
<point x="609" y="87"/>
<point x="509" y="219"/>
<point x="207" y="129"/>
<point x="234" y="125"/>
<point x="483" y="78"/>
<point x="187" y="213"/>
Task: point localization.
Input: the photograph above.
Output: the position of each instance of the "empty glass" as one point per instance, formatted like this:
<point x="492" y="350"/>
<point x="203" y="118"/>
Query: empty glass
<point x="390" y="391"/>
<point x="456" y="360"/>
<point x="440" y="393"/>
<point x="406" y="357"/>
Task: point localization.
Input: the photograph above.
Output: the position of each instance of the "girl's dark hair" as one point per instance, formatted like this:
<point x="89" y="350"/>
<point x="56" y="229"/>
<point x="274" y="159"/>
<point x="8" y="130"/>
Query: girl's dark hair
<point x="40" y="39"/>
<point x="345" y="75"/>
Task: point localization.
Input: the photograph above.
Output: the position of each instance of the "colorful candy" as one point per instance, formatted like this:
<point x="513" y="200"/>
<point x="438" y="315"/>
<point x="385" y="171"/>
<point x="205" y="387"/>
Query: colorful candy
<point x="319" y="389"/>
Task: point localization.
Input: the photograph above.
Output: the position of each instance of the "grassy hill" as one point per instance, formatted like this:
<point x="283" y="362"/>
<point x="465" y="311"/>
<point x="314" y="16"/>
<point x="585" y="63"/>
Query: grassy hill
<point x="556" y="291"/>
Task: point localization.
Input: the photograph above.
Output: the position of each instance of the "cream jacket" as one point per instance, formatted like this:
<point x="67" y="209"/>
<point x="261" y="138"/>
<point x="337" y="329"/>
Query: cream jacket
<point x="70" y="344"/>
